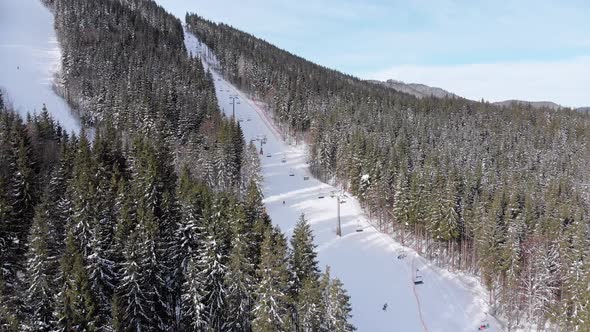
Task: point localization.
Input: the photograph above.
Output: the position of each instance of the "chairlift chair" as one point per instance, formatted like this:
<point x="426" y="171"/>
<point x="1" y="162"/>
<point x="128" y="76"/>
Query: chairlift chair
<point x="305" y="178"/>
<point x="418" y="278"/>
<point x="359" y="228"/>
<point x="291" y="173"/>
<point x="268" y="155"/>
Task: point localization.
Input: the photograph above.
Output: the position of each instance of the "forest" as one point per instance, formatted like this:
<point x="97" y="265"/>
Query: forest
<point x="151" y="219"/>
<point x="498" y="192"/>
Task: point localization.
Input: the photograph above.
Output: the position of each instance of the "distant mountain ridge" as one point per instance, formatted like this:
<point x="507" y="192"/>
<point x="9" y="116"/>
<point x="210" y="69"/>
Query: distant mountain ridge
<point x="416" y="89"/>
<point x="422" y="90"/>
<point x="534" y="104"/>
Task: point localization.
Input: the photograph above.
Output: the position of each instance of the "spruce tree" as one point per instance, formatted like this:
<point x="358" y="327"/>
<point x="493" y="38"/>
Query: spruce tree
<point x="239" y="281"/>
<point x="40" y="286"/>
<point x="336" y="305"/>
<point x="271" y="309"/>
<point x="303" y="257"/>
<point x="76" y="308"/>
<point x="310" y="311"/>
<point x="194" y="317"/>
<point x="135" y="304"/>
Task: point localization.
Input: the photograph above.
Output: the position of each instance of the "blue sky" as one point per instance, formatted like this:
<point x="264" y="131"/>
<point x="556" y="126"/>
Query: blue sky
<point x="535" y="50"/>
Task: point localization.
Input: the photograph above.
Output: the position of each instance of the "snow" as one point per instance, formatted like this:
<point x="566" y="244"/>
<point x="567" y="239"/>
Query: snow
<point x="29" y="58"/>
<point x="366" y="262"/>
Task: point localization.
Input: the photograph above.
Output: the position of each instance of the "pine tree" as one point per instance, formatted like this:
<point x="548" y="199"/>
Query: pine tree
<point x="135" y="305"/>
<point x="100" y="263"/>
<point x="239" y="284"/>
<point x="212" y="261"/>
<point x="336" y="305"/>
<point x="193" y="307"/>
<point x="303" y="257"/>
<point x="40" y="287"/>
<point x="258" y="221"/>
<point x="310" y="311"/>
<point x="271" y="307"/>
<point x="76" y="309"/>
<point x="84" y="195"/>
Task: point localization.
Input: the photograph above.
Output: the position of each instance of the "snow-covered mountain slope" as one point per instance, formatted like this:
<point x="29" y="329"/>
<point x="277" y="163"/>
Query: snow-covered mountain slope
<point x="534" y="104"/>
<point x="29" y="58"/>
<point x="366" y="261"/>
<point x="416" y="89"/>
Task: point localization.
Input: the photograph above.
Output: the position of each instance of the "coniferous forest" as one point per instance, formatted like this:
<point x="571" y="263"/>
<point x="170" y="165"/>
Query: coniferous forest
<point x="152" y="219"/>
<point x="499" y="192"/>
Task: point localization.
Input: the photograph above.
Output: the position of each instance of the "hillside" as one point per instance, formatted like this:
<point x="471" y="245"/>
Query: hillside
<point x="488" y="190"/>
<point x="534" y="104"/>
<point x="417" y="90"/>
<point x="361" y="253"/>
<point x="155" y="222"/>
<point x="29" y="60"/>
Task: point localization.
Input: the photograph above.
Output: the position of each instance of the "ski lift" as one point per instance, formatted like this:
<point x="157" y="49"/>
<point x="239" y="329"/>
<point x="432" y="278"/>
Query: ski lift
<point x="264" y="140"/>
<point x="359" y="228"/>
<point x="321" y="196"/>
<point x="268" y="155"/>
<point x="291" y="173"/>
<point x="305" y="178"/>
<point x="284" y="159"/>
<point x="418" y="278"/>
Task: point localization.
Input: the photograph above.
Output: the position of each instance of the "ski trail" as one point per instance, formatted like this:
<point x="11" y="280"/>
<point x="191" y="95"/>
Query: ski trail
<point x="417" y="297"/>
<point x="365" y="259"/>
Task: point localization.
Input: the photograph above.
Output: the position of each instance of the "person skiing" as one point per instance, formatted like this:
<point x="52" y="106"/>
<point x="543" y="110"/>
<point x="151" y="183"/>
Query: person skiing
<point x="385" y="307"/>
<point x="283" y="202"/>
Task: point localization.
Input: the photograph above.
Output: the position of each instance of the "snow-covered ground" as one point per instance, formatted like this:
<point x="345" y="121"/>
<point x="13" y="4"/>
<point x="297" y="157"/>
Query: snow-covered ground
<point x="29" y="58"/>
<point x="366" y="261"/>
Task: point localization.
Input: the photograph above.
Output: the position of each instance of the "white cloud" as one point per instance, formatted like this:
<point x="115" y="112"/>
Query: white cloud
<point x="565" y="82"/>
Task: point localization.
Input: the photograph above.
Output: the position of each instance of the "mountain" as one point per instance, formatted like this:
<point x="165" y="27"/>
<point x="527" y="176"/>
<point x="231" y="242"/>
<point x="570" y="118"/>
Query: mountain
<point x="416" y="89"/>
<point x="154" y="223"/>
<point x="422" y="90"/>
<point x="534" y="104"/>
<point x="492" y="189"/>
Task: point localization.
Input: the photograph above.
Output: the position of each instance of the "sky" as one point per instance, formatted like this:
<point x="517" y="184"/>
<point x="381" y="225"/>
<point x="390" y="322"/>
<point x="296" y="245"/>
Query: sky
<point x="496" y="50"/>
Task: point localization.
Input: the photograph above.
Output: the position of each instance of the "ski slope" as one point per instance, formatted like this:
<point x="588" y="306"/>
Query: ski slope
<point x="367" y="261"/>
<point x="29" y="58"/>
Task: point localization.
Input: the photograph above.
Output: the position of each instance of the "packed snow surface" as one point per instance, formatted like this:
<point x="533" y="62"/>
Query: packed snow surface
<point x="29" y="58"/>
<point x="366" y="261"/>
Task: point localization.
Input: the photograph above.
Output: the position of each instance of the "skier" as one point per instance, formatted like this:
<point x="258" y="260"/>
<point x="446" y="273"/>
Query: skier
<point x="283" y="202"/>
<point x="385" y="307"/>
